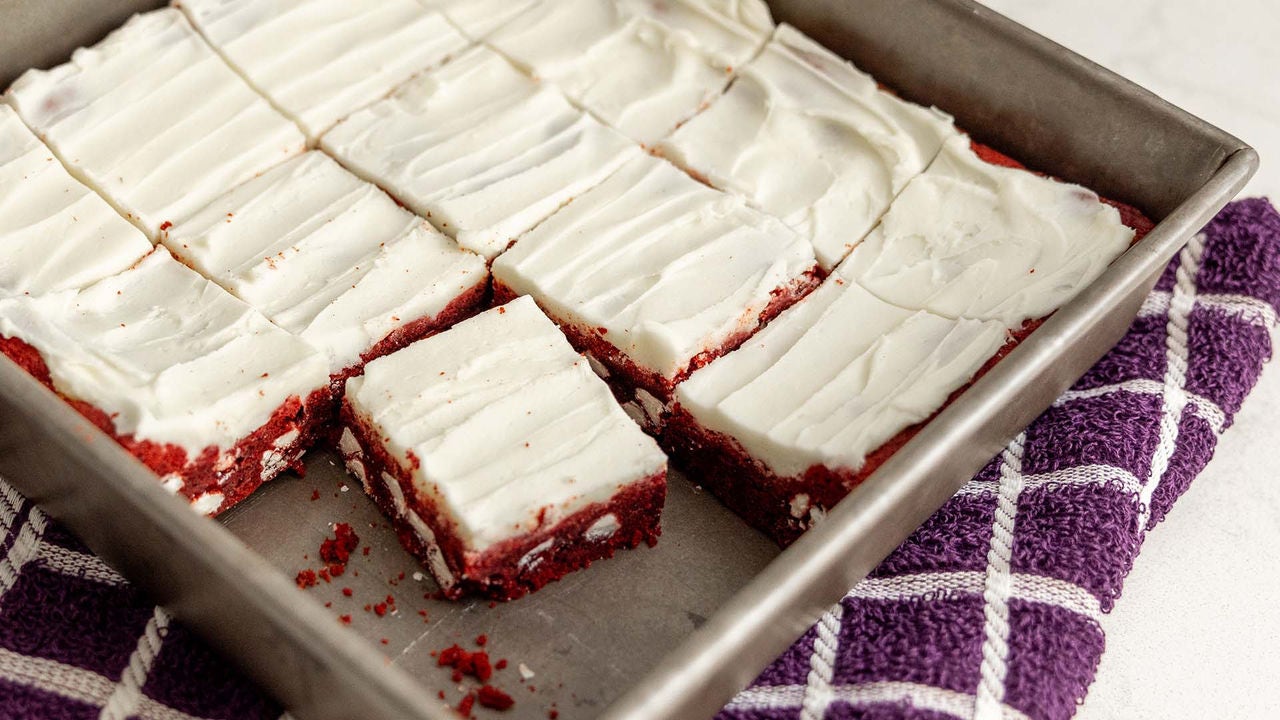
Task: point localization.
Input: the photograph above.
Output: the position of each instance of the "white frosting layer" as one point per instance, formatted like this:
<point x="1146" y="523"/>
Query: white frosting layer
<point x="321" y="60"/>
<point x="835" y="377"/>
<point x="326" y="256"/>
<point x="55" y="233"/>
<point x="642" y="66"/>
<point x="169" y="355"/>
<point x="154" y="120"/>
<point x="970" y="239"/>
<point x="480" y="150"/>
<point x="507" y="422"/>
<point x="478" y="18"/>
<point x="807" y="137"/>
<point x="668" y="267"/>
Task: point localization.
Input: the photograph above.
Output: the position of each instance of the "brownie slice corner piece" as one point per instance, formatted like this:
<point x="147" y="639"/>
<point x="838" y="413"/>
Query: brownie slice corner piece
<point x="502" y="459"/>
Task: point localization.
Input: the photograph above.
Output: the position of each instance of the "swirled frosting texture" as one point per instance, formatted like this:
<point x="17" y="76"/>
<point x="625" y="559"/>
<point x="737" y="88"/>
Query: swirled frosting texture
<point x="154" y="120"/>
<point x="835" y="377"/>
<point x="974" y="240"/>
<point x="326" y="255"/>
<point x="667" y="267"/>
<point x="55" y="233"/>
<point x="508" y="428"/>
<point x="168" y="355"/>
<point x="481" y="151"/>
<point x="321" y="60"/>
<point x="642" y="66"/>
<point x="807" y="137"/>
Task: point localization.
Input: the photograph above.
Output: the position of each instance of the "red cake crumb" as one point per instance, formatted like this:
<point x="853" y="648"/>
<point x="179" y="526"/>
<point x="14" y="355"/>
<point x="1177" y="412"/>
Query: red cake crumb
<point x="440" y="694"/>
<point x="463" y="663"/>
<point x="385" y="641"/>
<point x="306" y="579"/>
<point x="553" y="714"/>
<point x="315" y="495"/>
<point x="347" y="592"/>
<point x="346" y="619"/>
<point x="494" y="699"/>
<point x="501" y="664"/>
<point x="337" y="550"/>
<point x="482" y="640"/>
<point x="380" y="609"/>
<point x="464" y="707"/>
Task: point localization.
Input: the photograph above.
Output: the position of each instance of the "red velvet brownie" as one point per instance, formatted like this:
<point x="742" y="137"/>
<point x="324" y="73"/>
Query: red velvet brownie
<point x="201" y="388"/>
<point x="968" y="260"/>
<point x="333" y="260"/>
<point x="655" y="275"/>
<point x="503" y="461"/>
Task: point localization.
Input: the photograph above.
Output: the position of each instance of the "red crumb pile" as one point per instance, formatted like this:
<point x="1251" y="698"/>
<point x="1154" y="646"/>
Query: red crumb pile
<point x="335" y="552"/>
<point x="477" y="665"/>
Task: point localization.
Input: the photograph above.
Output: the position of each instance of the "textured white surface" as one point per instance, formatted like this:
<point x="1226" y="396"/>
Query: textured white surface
<point x="511" y="428"/>
<point x="55" y="233"/>
<point x="325" y="255"/>
<point x="1196" y="632"/>
<point x="667" y="266"/>
<point x="480" y="150"/>
<point x="806" y="136"/>
<point x="321" y="60"/>
<point x="153" y="119"/>
<point x="970" y="239"/>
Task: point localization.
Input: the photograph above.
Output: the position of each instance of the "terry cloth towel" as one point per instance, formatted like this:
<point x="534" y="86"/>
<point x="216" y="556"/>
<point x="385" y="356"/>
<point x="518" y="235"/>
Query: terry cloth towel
<point x="990" y="610"/>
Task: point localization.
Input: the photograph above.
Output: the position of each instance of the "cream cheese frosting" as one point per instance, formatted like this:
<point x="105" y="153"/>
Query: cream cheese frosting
<point x="835" y="377"/>
<point x="478" y="18"/>
<point x="807" y="137"/>
<point x="509" y="429"/>
<point x="667" y="267"/>
<point x="154" y="120"/>
<point x="168" y="355"/>
<point x="481" y="151"/>
<point x="326" y="255"/>
<point x="55" y="233"/>
<point x="975" y="240"/>
<point x="320" y="60"/>
<point x="641" y="66"/>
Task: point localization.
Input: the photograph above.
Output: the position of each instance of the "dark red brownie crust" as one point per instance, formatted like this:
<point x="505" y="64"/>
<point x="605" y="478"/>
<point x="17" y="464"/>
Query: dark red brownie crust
<point x="764" y="500"/>
<point x="626" y="377"/>
<point x="210" y="471"/>
<point x="497" y="573"/>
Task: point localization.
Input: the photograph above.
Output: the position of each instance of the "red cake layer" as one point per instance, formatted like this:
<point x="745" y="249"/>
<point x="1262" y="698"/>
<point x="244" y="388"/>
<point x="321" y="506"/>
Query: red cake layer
<point x="763" y="499"/>
<point x="497" y="572"/>
<point x="626" y="377"/>
<point x="234" y="473"/>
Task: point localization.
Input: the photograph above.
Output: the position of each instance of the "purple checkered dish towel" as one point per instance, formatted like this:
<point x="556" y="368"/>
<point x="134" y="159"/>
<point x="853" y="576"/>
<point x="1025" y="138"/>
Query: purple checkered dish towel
<point x="990" y="609"/>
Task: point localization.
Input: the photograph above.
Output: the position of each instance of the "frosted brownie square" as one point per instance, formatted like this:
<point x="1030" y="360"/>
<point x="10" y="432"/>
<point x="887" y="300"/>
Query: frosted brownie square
<point x="332" y="259"/>
<point x="320" y="60"/>
<point x="55" y="233"/>
<point x="478" y="149"/>
<point x="200" y="387"/>
<point x="643" y="67"/>
<point x="810" y="139"/>
<point x="504" y="462"/>
<point x="655" y="275"/>
<point x="969" y="238"/>
<point x="783" y="428"/>
<point x="154" y="120"/>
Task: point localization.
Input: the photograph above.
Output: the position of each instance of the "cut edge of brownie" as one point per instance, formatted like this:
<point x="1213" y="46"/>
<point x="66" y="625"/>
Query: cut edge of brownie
<point x="216" y="479"/>
<point x="511" y="568"/>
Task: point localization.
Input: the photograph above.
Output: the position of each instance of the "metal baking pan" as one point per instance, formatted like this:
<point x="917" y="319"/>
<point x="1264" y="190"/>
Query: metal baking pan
<point x="675" y="630"/>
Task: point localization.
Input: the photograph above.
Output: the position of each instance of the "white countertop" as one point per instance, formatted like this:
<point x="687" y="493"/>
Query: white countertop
<point x="1197" y="632"/>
